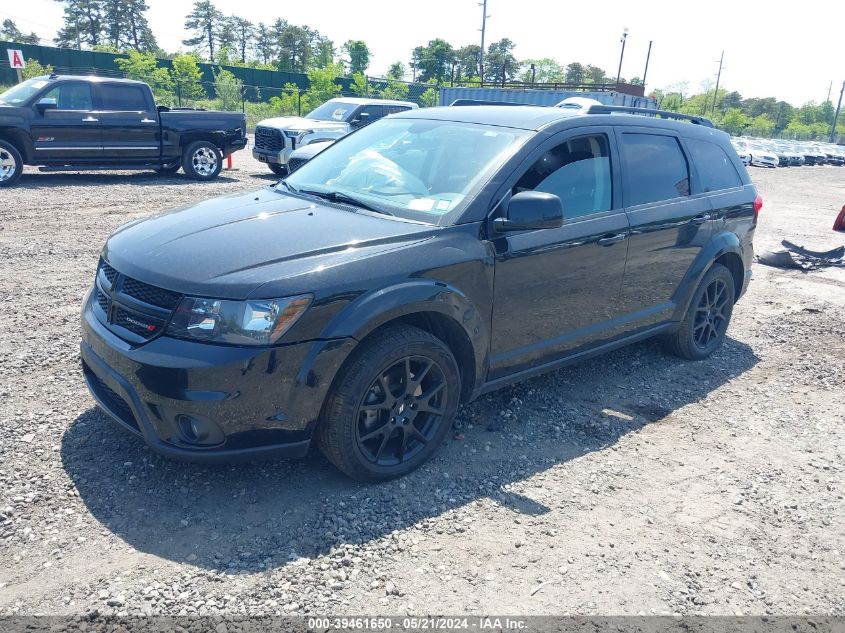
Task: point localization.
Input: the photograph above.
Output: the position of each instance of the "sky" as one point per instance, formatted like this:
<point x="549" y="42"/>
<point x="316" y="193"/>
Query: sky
<point x="793" y="55"/>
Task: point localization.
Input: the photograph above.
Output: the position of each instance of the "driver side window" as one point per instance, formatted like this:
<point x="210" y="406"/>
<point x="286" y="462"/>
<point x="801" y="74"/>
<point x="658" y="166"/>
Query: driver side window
<point x="577" y="171"/>
<point x="71" y="96"/>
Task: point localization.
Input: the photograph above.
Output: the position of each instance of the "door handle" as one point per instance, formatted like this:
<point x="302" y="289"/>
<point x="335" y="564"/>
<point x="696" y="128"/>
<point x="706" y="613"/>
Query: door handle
<point x="148" y="121"/>
<point x="612" y="238"/>
<point x="701" y="219"/>
<point x="90" y="119"/>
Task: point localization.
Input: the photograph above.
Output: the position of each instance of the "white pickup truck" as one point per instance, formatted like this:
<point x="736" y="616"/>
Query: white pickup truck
<point x="275" y="139"/>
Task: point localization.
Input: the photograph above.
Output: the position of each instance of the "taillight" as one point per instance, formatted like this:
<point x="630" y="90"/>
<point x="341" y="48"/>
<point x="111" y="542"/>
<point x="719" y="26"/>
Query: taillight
<point x="758" y="204"/>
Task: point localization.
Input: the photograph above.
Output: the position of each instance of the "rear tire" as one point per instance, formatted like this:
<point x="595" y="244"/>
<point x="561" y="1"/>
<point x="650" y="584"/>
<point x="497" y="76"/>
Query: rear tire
<point x="202" y="160"/>
<point x="11" y="164"/>
<point x="391" y="405"/>
<point x="706" y="322"/>
<point x="279" y="170"/>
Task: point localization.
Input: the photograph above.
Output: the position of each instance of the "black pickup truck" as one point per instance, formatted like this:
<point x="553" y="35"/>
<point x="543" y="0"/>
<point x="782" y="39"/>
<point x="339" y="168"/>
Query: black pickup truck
<point x="73" y="123"/>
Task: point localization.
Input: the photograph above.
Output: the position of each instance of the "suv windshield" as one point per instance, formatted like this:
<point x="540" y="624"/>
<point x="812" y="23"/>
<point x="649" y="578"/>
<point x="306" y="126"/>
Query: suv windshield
<point x="332" y="111"/>
<point x="23" y="92"/>
<point x="416" y="169"/>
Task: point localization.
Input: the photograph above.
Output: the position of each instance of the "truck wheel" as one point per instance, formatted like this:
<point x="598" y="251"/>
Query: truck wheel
<point x="279" y="170"/>
<point x="391" y="406"/>
<point x="202" y="160"/>
<point x="706" y="322"/>
<point x="11" y="164"/>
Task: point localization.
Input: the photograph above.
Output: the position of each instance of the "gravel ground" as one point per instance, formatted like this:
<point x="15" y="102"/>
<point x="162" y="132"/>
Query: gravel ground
<point x="633" y="483"/>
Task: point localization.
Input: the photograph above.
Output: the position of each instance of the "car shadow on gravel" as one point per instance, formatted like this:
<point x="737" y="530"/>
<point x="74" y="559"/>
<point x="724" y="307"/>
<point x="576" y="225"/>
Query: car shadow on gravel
<point x="248" y="518"/>
<point x="99" y="179"/>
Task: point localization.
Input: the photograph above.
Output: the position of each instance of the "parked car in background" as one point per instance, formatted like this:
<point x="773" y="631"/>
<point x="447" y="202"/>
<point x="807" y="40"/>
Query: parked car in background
<point x="65" y="122"/>
<point x="741" y="148"/>
<point x="779" y="151"/>
<point x="276" y="138"/>
<point x="427" y="259"/>
<point x="761" y="156"/>
<point x="302" y="155"/>
<point x="795" y="158"/>
<point x="835" y="154"/>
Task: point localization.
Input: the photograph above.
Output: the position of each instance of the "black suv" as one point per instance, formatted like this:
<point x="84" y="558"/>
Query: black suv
<point x="417" y="263"/>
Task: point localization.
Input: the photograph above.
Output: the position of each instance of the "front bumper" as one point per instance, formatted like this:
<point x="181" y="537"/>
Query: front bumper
<point x="265" y="401"/>
<point x="267" y="156"/>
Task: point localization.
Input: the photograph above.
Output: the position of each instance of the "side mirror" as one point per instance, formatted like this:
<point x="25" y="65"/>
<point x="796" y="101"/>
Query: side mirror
<point x="362" y="119"/>
<point x="531" y="210"/>
<point x="46" y="104"/>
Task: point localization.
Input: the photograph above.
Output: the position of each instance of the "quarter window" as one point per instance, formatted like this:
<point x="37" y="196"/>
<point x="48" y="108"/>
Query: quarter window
<point x="655" y="168"/>
<point x="716" y="170"/>
<point x="123" y="98"/>
<point x="577" y="171"/>
<point x="72" y="96"/>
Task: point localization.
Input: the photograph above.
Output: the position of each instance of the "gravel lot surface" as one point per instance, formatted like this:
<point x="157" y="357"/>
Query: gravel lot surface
<point x="633" y="483"/>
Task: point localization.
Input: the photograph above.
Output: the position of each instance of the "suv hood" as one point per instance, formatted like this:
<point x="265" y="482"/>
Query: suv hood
<point x="301" y="123"/>
<point x="230" y="247"/>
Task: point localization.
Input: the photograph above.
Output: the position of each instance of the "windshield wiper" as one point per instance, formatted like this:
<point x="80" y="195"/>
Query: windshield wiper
<point x="338" y="196"/>
<point x="287" y="186"/>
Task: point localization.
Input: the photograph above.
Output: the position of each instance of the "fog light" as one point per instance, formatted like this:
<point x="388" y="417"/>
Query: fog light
<point x="197" y="431"/>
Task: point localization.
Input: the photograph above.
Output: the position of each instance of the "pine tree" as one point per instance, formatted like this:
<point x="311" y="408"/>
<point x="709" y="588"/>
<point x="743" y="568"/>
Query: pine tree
<point x="126" y="25"/>
<point x="83" y="24"/>
<point x="205" y="21"/>
<point x="265" y="49"/>
<point x="243" y="32"/>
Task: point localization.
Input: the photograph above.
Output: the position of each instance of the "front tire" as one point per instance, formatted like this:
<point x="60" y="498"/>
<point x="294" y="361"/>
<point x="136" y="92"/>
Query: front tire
<point x="11" y="164"/>
<point x="706" y="322"/>
<point x="279" y="170"/>
<point x="202" y="160"/>
<point x="391" y="406"/>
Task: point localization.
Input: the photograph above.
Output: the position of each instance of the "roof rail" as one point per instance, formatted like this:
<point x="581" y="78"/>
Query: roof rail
<point x="477" y="102"/>
<point x="606" y="109"/>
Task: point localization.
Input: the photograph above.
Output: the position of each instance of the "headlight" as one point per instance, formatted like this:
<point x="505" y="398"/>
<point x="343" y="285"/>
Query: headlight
<point x="258" y="322"/>
<point x="297" y="134"/>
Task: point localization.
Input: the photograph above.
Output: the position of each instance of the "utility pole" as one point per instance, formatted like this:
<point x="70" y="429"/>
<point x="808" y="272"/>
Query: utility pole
<point x="836" y="116"/>
<point x="622" y="54"/>
<point x="647" y="58"/>
<point x="718" y="79"/>
<point x="484" y="17"/>
<point x="829" y="89"/>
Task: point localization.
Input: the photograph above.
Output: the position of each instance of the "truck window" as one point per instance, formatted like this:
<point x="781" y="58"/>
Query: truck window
<point x="577" y="171"/>
<point x="655" y="168"/>
<point x="124" y="98"/>
<point x="71" y="95"/>
<point x="716" y="170"/>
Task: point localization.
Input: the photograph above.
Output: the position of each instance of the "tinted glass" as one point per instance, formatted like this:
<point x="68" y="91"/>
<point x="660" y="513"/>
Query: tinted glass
<point x="654" y="168"/>
<point x="375" y="111"/>
<point x="123" y="98"/>
<point x="71" y="96"/>
<point x="23" y="91"/>
<point x="577" y="171"/>
<point x="392" y="109"/>
<point x="715" y="168"/>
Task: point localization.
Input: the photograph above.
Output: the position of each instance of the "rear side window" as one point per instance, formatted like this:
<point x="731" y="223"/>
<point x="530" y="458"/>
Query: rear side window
<point x="577" y="171"/>
<point x="375" y="111"/>
<point x="654" y="168"/>
<point x="393" y="109"/>
<point x="715" y="168"/>
<point x="123" y="98"/>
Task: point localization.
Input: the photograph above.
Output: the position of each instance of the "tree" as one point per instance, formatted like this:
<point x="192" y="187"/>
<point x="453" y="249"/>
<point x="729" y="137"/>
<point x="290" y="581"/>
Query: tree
<point x="35" y="69"/>
<point x="293" y="44"/>
<point x="264" y="43"/>
<point x="205" y="21"/>
<point x="10" y="32"/>
<point x="433" y="61"/>
<point x="126" y="25"/>
<point x="244" y="33"/>
<point x="83" y="24"/>
<point x="323" y="51"/>
<point x="359" y="85"/>
<point x="229" y="90"/>
<point x="575" y="74"/>
<point x="322" y="85"/>
<point x="546" y="70"/>
<point x="396" y="71"/>
<point x="187" y="77"/>
<point x="500" y="63"/>
<point x="144" y="67"/>
<point x="359" y="56"/>
<point x="468" y="63"/>
<point x="595" y="75"/>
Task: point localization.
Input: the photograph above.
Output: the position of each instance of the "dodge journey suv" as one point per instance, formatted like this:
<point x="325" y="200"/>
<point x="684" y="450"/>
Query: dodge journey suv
<point x="421" y="261"/>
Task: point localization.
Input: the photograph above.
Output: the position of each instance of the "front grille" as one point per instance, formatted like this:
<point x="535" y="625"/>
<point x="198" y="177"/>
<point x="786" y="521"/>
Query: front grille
<point x="150" y="294"/>
<point x="111" y="399"/>
<point x="269" y="139"/>
<point x="295" y="163"/>
<point x="132" y="309"/>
